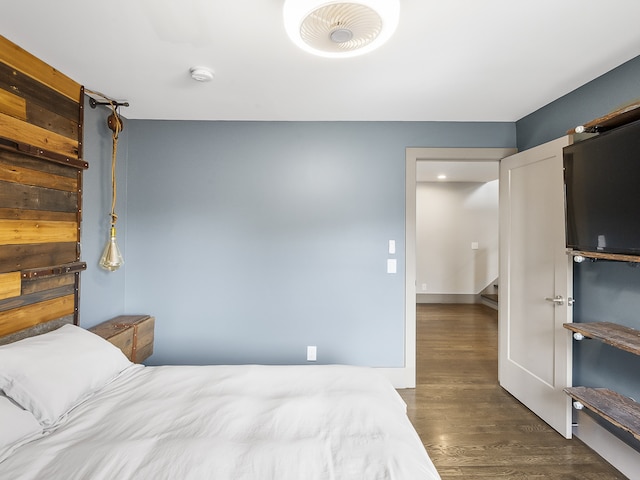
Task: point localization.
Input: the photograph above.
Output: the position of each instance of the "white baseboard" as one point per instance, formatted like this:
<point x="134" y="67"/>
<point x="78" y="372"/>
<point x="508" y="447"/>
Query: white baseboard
<point x="608" y="446"/>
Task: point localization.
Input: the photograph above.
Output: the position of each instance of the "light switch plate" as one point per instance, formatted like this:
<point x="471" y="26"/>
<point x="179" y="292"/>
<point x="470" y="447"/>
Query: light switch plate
<point x="392" y="247"/>
<point x="392" y="265"/>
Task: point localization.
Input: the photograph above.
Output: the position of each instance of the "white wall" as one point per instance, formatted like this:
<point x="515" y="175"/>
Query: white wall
<point x="449" y="217"/>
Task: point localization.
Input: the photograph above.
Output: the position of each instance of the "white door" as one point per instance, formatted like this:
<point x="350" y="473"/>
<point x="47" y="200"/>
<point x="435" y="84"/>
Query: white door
<point x="534" y="358"/>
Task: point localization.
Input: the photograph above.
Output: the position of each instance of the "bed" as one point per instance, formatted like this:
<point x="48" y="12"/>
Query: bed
<point x="74" y="407"/>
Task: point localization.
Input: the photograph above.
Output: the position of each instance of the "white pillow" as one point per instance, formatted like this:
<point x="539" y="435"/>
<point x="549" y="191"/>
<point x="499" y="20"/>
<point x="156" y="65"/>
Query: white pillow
<point x="51" y="373"/>
<point x="17" y="426"/>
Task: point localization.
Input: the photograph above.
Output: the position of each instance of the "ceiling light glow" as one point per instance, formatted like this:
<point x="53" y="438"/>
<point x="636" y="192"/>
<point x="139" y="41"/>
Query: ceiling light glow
<point x="339" y="29"/>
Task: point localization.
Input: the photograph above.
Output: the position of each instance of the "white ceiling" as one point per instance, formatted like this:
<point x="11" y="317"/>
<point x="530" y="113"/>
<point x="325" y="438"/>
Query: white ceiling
<point x="449" y="60"/>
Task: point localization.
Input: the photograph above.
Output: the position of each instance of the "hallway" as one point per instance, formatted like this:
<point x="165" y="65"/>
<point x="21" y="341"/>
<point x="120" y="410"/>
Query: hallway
<point x="472" y="428"/>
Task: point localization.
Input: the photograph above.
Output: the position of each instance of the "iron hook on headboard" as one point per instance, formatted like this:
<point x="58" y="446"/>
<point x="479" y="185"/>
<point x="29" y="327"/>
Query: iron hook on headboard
<point x="94" y="103"/>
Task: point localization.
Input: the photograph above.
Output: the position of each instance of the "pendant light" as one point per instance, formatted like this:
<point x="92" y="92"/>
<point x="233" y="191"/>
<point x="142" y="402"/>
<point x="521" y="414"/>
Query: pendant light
<point x="111" y="258"/>
<point x="340" y="28"/>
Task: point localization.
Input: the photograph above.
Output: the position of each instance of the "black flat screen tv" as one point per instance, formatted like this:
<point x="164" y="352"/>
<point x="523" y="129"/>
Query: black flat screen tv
<point x="602" y="192"/>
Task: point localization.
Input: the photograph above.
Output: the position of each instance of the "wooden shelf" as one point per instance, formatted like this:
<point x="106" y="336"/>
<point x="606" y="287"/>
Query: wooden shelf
<point x="619" y="410"/>
<point x="618" y="336"/>
<point x="618" y="257"/>
<point x="617" y="118"/>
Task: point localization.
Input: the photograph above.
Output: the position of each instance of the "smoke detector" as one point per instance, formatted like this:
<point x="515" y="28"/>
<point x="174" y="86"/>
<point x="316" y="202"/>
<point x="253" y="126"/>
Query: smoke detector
<point x="201" y="74"/>
<point x="340" y="29"/>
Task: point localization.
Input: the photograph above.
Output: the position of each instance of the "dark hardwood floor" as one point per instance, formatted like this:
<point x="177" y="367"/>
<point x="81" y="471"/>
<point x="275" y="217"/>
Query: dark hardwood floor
<point x="471" y="427"/>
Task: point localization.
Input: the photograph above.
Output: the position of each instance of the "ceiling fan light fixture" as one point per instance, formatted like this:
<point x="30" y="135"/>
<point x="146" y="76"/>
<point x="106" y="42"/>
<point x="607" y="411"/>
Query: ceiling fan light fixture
<point x="340" y="28"/>
<point x="341" y="35"/>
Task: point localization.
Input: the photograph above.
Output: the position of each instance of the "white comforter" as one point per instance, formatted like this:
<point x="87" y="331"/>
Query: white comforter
<point x="235" y="423"/>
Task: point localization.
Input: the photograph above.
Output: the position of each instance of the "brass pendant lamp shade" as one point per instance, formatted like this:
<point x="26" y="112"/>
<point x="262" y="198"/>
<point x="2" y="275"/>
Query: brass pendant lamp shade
<point x="111" y="258"/>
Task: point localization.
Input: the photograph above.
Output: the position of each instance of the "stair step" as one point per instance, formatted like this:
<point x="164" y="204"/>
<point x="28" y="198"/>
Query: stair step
<point x="490" y="296"/>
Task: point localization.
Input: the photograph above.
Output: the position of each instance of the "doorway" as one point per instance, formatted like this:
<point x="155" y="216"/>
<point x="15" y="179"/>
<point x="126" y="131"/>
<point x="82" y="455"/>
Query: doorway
<point x="412" y="157"/>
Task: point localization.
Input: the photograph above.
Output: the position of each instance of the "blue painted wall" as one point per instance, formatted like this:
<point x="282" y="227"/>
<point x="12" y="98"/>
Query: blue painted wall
<point x="251" y="240"/>
<point x="604" y="291"/>
<point x="612" y="90"/>
<point x="102" y="293"/>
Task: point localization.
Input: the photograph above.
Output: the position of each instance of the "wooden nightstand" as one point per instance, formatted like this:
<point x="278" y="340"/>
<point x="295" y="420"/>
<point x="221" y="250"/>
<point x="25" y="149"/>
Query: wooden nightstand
<point x="133" y="334"/>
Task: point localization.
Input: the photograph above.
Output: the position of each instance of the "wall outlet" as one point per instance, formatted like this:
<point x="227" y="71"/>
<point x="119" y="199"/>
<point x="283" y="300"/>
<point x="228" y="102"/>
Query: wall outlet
<point x="312" y="352"/>
<point x="424" y="287"/>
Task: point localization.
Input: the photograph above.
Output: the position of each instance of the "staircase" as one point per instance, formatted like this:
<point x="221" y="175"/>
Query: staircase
<point x="489" y="297"/>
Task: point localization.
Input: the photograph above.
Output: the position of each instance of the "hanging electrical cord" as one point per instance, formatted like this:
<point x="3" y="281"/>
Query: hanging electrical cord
<point x="111" y="258"/>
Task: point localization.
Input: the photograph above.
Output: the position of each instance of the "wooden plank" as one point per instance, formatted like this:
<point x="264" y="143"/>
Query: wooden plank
<point x="38" y="96"/>
<point x="10" y="285"/>
<point x="617" y="409"/>
<point x="20" y="318"/>
<point x="619" y="336"/>
<point x="123" y="339"/>
<point x="13" y="105"/>
<point x="133" y="334"/>
<point x="19" y="214"/>
<point x="120" y="335"/>
<point x="619" y="257"/>
<point x="53" y="122"/>
<point x="36" y="297"/>
<point x="15" y="174"/>
<point x="37" y="329"/>
<point x="27" y="197"/>
<point x="145" y="339"/>
<point x="20" y="232"/>
<point x="18" y="58"/>
<point x="24" y="159"/>
<point x="621" y="116"/>
<point x="23" y="132"/>
<point x="34" y="285"/>
<point x="21" y="257"/>
<point x="129" y="319"/>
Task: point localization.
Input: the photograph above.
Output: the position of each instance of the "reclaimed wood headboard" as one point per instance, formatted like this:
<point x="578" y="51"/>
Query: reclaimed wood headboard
<point x="41" y="166"/>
